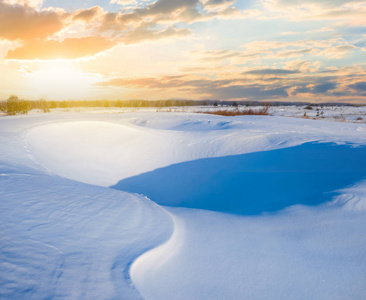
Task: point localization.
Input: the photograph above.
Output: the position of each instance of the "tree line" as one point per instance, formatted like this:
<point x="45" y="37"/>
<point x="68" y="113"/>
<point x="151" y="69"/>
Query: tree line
<point x="13" y="105"/>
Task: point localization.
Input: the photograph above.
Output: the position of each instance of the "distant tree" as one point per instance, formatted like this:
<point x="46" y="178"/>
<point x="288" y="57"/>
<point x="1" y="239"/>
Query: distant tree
<point x="3" y="106"/>
<point x="53" y="104"/>
<point x="44" y="105"/>
<point x="118" y="103"/>
<point x="63" y="104"/>
<point x="13" y="105"/>
<point x="24" y="107"/>
<point x="235" y="104"/>
<point x="215" y="103"/>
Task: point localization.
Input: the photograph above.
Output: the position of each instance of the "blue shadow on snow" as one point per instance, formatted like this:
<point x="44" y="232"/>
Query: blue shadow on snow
<point x="253" y="183"/>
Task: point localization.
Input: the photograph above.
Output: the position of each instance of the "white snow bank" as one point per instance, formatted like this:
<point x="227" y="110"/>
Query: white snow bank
<point x="298" y="254"/>
<point x="94" y="152"/>
<point x="105" y="152"/>
<point x="62" y="239"/>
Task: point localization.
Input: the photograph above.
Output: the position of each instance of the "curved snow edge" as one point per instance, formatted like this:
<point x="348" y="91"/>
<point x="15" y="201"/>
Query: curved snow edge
<point x="157" y="257"/>
<point x="353" y="198"/>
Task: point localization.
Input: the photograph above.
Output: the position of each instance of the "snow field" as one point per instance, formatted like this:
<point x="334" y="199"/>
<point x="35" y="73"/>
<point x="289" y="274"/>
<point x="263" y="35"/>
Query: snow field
<point x="335" y="113"/>
<point x="65" y="235"/>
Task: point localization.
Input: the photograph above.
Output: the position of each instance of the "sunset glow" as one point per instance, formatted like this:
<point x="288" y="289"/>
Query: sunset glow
<point x="58" y="79"/>
<point x="280" y="50"/>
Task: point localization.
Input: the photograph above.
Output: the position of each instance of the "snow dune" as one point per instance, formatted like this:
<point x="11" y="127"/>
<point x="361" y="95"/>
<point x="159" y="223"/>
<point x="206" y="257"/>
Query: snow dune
<point x="65" y="235"/>
<point x="64" y="240"/>
<point x="104" y="150"/>
<point x="256" y="182"/>
<point x="298" y="254"/>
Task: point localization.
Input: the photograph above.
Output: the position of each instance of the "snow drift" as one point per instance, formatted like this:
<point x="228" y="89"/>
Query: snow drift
<point x="256" y="182"/>
<point x="65" y="235"/>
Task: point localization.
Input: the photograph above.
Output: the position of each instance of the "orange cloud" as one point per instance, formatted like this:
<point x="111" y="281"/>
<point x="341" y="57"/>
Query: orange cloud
<point x="24" y="22"/>
<point x="69" y="48"/>
<point x="257" y="84"/>
<point x="89" y="31"/>
<point x="87" y="14"/>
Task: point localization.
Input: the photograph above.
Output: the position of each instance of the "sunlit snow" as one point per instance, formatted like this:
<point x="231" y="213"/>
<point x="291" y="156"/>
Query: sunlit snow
<point x="181" y="206"/>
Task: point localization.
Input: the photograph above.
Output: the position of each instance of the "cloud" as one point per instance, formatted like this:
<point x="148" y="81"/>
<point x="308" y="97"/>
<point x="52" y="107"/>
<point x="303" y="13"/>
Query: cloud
<point x="359" y="86"/>
<point x="331" y="48"/>
<point x="313" y="88"/>
<point x="216" y="55"/>
<point x="87" y="15"/>
<point x="294" y="53"/>
<point x="303" y="65"/>
<point x="255" y="52"/>
<point x="69" y="48"/>
<point x="23" y="20"/>
<point x="339" y="84"/>
<point x="161" y="10"/>
<point x="337" y="52"/>
<point x="256" y="92"/>
<point x="305" y="3"/>
<point x="124" y="2"/>
<point x="25" y="23"/>
<point x="164" y="82"/>
<point x="169" y="6"/>
<point x="218" y="4"/>
<point x="142" y="34"/>
<point x="32" y="3"/>
<point x="262" y="72"/>
<point x="221" y="56"/>
<point x="324" y="87"/>
<point x="175" y="11"/>
<point x="296" y="10"/>
<point x="227" y="89"/>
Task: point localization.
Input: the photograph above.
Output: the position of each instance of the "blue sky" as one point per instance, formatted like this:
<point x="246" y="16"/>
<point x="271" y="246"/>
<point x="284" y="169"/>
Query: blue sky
<point x="280" y="50"/>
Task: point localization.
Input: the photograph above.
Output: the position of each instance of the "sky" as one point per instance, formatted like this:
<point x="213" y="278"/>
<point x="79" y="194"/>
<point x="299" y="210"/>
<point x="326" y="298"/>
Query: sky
<point x="277" y="50"/>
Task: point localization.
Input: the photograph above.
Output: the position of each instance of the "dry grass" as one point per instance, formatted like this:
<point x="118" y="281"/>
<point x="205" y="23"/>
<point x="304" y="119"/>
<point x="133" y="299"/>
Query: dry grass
<point x="244" y="112"/>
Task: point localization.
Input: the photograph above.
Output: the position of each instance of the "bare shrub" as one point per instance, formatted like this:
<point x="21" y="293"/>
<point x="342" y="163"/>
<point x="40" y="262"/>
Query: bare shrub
<point x="339" y="118"/>
<point x="245" y="112"/>
<point x="44" y="105"/>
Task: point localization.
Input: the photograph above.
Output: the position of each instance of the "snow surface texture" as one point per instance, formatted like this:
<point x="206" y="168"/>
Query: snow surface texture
<point x="295" y="187"/>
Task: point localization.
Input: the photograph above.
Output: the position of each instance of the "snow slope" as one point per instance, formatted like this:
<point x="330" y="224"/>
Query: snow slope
<point x="62" y="239"/>
<point x="109" y="148"/>
<point x="66" y="235"/>
<point x="65" y="240"/>
<point x="256" y="182"/>
<point x="298" y="254"/>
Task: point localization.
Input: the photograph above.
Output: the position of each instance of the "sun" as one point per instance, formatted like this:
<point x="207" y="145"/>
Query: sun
<point x="62" y="80"/>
